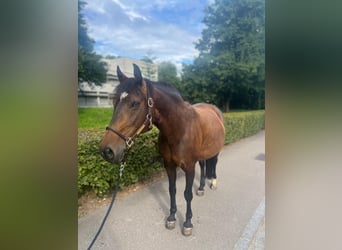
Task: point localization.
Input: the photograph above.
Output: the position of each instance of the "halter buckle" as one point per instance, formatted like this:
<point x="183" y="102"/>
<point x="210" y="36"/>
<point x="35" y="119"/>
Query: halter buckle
<point x="129" y="142"/>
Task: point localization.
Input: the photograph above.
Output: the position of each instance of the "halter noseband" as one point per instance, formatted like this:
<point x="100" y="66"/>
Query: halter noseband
<point x="147" y="123"/>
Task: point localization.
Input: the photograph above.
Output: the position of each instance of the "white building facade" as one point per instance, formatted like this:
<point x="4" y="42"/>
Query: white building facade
<point x="90" y="95"/>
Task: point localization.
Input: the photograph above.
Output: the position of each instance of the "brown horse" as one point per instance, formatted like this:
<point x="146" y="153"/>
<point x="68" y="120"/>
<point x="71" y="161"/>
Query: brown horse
<point x="188" y="133"/>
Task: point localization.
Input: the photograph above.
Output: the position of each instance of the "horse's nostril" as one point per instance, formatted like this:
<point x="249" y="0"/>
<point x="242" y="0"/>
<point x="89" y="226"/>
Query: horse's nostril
<point x="109" y="153"/>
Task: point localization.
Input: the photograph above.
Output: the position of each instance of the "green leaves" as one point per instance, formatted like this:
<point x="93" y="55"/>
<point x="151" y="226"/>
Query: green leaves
<point x="232" y="53"/>
<point x="90" y="68"/>
<point x="167" y="72"/>
<point x="93" y="172"/>
<point x="243" y="124"/>
<point x="96" y="174"/>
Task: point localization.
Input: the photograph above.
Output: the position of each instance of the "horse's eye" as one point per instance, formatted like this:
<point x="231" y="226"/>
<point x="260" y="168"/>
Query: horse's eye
<point x="134" y="104"/>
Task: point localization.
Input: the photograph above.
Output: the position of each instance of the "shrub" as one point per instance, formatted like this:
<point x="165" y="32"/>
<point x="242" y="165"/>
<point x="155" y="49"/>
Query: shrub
<point x="243" y="124"/>
<point x="100" y="176"/>
<point x="96" y="174"/>
<point x="93" y="172"/>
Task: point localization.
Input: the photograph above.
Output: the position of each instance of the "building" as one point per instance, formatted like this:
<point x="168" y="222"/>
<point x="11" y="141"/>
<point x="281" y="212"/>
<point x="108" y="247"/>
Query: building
<point x="90" y="95"/>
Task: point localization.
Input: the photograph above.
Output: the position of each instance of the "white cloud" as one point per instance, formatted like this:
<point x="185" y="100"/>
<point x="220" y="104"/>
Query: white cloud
<point x="132" y="14"/>
<point x="133" y="28"/>
<point x="96" y="6"/>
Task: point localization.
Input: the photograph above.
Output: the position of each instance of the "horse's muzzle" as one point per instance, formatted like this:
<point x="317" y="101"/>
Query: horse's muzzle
<point x="112" y="155"/>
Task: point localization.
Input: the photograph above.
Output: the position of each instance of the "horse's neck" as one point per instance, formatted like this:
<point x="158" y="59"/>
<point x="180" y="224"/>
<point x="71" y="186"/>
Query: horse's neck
<point x="170" y="116"/>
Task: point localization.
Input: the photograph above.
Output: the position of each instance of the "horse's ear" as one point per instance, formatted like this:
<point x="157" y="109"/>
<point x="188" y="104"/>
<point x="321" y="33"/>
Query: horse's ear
<point x="137" y="73"/>
<point x="121" y="75"/>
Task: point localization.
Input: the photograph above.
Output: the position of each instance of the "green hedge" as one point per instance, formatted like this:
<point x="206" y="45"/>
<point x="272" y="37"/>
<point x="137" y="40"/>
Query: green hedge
<point x="100" y="176"/>
<point x="242" y="124"/>
<point x="96" y="174"/>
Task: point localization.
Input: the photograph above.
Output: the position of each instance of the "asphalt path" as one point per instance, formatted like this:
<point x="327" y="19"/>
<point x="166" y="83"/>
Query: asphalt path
<point x="231" y="217"/>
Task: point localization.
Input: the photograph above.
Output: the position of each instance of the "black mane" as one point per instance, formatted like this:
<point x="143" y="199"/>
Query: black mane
<point x="167" y="88"/>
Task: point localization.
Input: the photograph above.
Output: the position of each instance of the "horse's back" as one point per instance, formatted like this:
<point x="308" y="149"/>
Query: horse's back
<point x="204" y="108"/>
<point x="212" y="129"/>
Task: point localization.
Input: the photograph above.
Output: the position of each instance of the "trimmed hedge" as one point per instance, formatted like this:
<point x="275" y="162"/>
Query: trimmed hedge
<point x="96" y="174"/>
<point x="242" y="124"/>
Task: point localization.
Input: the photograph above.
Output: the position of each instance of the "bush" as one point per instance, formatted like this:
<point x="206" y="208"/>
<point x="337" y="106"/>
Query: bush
<point x="100" y="176"/>
<point x="96" y="174"/>
<point x="93" y="172"/>
<point x="243" y="124"/>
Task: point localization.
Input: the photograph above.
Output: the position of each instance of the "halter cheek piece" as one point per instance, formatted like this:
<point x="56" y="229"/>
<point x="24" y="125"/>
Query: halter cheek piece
<point x="147" y="123"/>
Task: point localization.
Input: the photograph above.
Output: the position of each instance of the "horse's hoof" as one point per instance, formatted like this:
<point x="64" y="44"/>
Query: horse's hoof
<point x="187" y="231"/>
<point x="200" y="192"/>
<point x="170" y="224"/>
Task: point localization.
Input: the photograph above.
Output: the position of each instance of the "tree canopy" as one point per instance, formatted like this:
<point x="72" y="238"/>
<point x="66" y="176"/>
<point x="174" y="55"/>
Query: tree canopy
<point x="167" y="72"/>
<point x="90" y="68"/>
<point x="230" y="65"/>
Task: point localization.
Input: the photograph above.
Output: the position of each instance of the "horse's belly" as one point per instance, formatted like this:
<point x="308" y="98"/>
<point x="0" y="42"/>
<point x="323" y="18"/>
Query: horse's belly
<point x="212" y="135"/>
<point x="210" y="149"/>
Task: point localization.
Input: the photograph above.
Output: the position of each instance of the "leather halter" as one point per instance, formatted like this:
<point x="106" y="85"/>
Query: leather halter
<point x="147" y="123"/>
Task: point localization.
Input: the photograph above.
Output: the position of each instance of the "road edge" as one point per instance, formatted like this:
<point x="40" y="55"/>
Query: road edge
<point x="251" y="228"/>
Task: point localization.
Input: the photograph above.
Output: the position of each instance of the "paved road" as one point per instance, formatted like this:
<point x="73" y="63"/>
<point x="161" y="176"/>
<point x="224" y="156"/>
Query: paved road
<point x="232" y="217"/>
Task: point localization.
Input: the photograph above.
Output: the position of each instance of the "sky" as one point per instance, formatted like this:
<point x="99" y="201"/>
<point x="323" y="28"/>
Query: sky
<point x="164" y="29"/>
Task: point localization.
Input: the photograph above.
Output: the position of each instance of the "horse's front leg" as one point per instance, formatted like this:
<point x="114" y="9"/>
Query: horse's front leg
<point x="172" y="174"/>
<point x="189" y="178"/>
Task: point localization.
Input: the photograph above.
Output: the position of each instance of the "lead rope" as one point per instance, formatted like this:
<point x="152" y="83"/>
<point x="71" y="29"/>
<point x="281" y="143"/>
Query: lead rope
<point x="129" y="143"/>
<point x="121" y="169"/>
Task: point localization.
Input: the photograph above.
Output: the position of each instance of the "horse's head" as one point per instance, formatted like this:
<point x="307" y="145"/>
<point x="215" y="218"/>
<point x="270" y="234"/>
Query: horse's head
<point x="132" y="115"/>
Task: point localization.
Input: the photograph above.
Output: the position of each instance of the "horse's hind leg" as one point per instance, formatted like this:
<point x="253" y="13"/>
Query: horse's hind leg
<point x="200" y="191"/>
<point x="211" y="171"/>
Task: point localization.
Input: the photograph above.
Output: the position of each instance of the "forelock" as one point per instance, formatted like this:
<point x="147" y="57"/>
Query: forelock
<point x="127" y="87"/>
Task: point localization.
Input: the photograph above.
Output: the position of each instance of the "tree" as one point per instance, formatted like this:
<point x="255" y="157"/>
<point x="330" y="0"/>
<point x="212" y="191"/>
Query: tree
<point x="90" y="68"/>
<point x="111" y="57"/>
<point x="197" y="85"/>
<point x="149" y="59"/>
<point x="167" y="72"/>
<point x="232" y="50"/>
